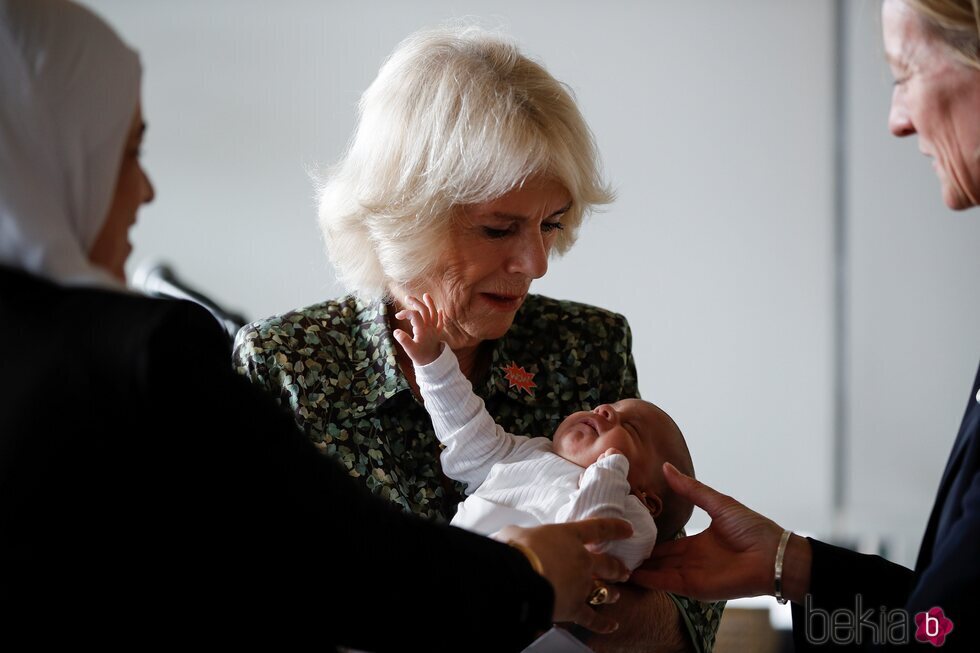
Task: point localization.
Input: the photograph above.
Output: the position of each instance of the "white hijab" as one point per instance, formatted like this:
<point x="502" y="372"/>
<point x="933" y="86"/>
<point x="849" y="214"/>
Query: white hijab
<point x="69" y="88"/>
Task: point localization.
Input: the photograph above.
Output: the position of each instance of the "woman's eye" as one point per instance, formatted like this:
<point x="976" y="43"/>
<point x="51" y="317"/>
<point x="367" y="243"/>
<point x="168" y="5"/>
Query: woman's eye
<point x="491" y="232"/>
<point x="546" y="227"/>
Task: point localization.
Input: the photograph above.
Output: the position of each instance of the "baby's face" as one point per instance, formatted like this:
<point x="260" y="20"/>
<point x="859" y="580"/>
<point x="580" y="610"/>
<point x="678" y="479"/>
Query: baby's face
<point x="635" y="427"/>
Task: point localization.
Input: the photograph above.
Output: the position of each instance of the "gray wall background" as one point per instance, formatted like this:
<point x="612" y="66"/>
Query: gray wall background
<point x="717" y="126"/>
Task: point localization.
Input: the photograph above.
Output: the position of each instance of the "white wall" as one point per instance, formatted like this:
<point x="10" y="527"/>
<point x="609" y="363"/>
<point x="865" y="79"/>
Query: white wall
<point x="715" y="120"/>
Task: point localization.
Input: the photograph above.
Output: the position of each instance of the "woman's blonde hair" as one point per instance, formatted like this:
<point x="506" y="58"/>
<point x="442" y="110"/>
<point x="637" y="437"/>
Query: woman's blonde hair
<point x="456" y="116"/>
<point x="956" y="22"/>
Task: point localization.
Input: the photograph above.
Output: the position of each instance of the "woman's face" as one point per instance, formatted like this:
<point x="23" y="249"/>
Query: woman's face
<point x="495" y="250"/>
<point x="936" y="97"/>
<point x="133" y="189"/>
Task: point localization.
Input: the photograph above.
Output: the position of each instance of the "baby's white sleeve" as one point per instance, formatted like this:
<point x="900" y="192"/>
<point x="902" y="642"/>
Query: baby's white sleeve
<point x="604" y="491"/>
<point x="474" y="442"/>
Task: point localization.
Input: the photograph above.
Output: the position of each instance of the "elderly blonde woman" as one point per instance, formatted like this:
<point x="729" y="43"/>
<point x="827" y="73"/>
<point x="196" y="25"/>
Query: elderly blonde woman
<point x="933" y="47"/>
<point x="123" y="512"/>
<point x="470" y="167"/>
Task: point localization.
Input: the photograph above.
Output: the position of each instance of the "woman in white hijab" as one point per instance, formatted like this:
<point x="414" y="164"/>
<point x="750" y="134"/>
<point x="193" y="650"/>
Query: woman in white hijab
<point x="71" y="89"/>
<point x="122" y="504"/>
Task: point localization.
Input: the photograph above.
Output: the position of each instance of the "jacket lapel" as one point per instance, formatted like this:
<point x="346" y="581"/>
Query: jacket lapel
<point x="970" y="424"/>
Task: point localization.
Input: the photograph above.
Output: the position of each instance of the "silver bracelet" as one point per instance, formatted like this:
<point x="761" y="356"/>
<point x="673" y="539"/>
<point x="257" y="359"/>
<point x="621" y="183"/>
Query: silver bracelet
<point x="780" y="552"/>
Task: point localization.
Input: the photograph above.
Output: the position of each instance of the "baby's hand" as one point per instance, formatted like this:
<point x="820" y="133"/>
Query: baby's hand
<point x="428" y="323"/>
<point x="609" y="452"/>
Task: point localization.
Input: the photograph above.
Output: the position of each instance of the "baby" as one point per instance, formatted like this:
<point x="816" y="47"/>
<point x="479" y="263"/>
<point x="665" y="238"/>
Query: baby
<point x="601" y="463"/>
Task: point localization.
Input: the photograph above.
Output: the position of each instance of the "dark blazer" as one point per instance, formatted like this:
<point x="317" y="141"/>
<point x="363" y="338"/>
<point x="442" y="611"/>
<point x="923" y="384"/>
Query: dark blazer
<point x="138" y="497"/>
<point x="947" y="572"/>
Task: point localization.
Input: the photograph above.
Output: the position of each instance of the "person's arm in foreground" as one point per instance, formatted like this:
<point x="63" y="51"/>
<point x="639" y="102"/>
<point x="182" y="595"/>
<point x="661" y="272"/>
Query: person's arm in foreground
<point x="191" y="502"/>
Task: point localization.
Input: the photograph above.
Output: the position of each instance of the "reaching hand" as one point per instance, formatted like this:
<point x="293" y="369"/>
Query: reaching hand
<point x="428" y="323"/>
<point x="733" y="558"/>
<point x="571" y="568"/>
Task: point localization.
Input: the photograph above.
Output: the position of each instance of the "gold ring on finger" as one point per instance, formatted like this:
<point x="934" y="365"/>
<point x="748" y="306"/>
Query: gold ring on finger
<point x="599" y="595"/>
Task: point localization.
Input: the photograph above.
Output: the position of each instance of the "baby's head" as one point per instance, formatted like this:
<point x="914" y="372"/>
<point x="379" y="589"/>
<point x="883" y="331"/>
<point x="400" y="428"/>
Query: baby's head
<point x="648" y="437"/>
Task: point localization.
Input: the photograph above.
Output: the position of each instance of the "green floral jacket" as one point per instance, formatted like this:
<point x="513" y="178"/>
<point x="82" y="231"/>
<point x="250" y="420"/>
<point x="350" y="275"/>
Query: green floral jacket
<point x="333" y="365"/>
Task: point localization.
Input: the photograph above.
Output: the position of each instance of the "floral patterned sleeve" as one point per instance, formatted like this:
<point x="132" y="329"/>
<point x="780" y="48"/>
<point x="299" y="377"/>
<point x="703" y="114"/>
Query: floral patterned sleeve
<point x="249" y="360"/>
<point x="246" y="357"/>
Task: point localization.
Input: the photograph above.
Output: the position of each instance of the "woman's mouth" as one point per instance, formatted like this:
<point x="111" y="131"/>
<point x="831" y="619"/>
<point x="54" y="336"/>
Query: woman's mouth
<point x="503" y="302"/>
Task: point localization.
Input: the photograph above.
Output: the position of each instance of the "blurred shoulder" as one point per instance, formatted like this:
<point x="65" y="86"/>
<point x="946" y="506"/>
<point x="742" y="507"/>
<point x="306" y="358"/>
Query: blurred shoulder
<point x="115" y="340"/>
<point x="327" y="331"/>
<point x="98" y="314"/>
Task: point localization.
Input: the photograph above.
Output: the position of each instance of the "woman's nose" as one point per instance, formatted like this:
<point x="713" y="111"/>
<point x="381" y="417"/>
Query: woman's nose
<point x="531" y="258"/>
<point x="899" y="119"/>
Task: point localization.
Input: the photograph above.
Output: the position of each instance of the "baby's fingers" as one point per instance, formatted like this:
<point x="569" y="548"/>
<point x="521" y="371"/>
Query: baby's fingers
<point x="432" y="315"/>
<point x="405" y="340"/>
<point x="412" y="316"/>
<point x="415" y="304"/>
<point x="418" y="324"/>
<point x="424" y="306"/>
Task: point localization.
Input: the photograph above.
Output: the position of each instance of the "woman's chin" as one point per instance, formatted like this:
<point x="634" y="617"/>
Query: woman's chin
<point x="498" y="327"/>
<point x="489" y="325"/>
<point x="480" y="323"/>
<point x="958" y="200"/>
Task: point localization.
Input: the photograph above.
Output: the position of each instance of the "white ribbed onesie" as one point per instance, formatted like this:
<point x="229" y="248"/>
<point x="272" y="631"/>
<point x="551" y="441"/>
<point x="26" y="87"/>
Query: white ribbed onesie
<point x="514" y="479"/>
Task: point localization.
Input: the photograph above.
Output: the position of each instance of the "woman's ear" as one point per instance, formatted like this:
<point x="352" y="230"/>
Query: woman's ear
<point x="653" y="503"/>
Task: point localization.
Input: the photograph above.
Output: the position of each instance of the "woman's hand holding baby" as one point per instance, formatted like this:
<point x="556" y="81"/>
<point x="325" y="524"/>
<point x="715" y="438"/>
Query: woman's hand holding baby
<point x="733" y="557"/>
<point x="428" y="323"/>
<point x="571" y="568"/>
